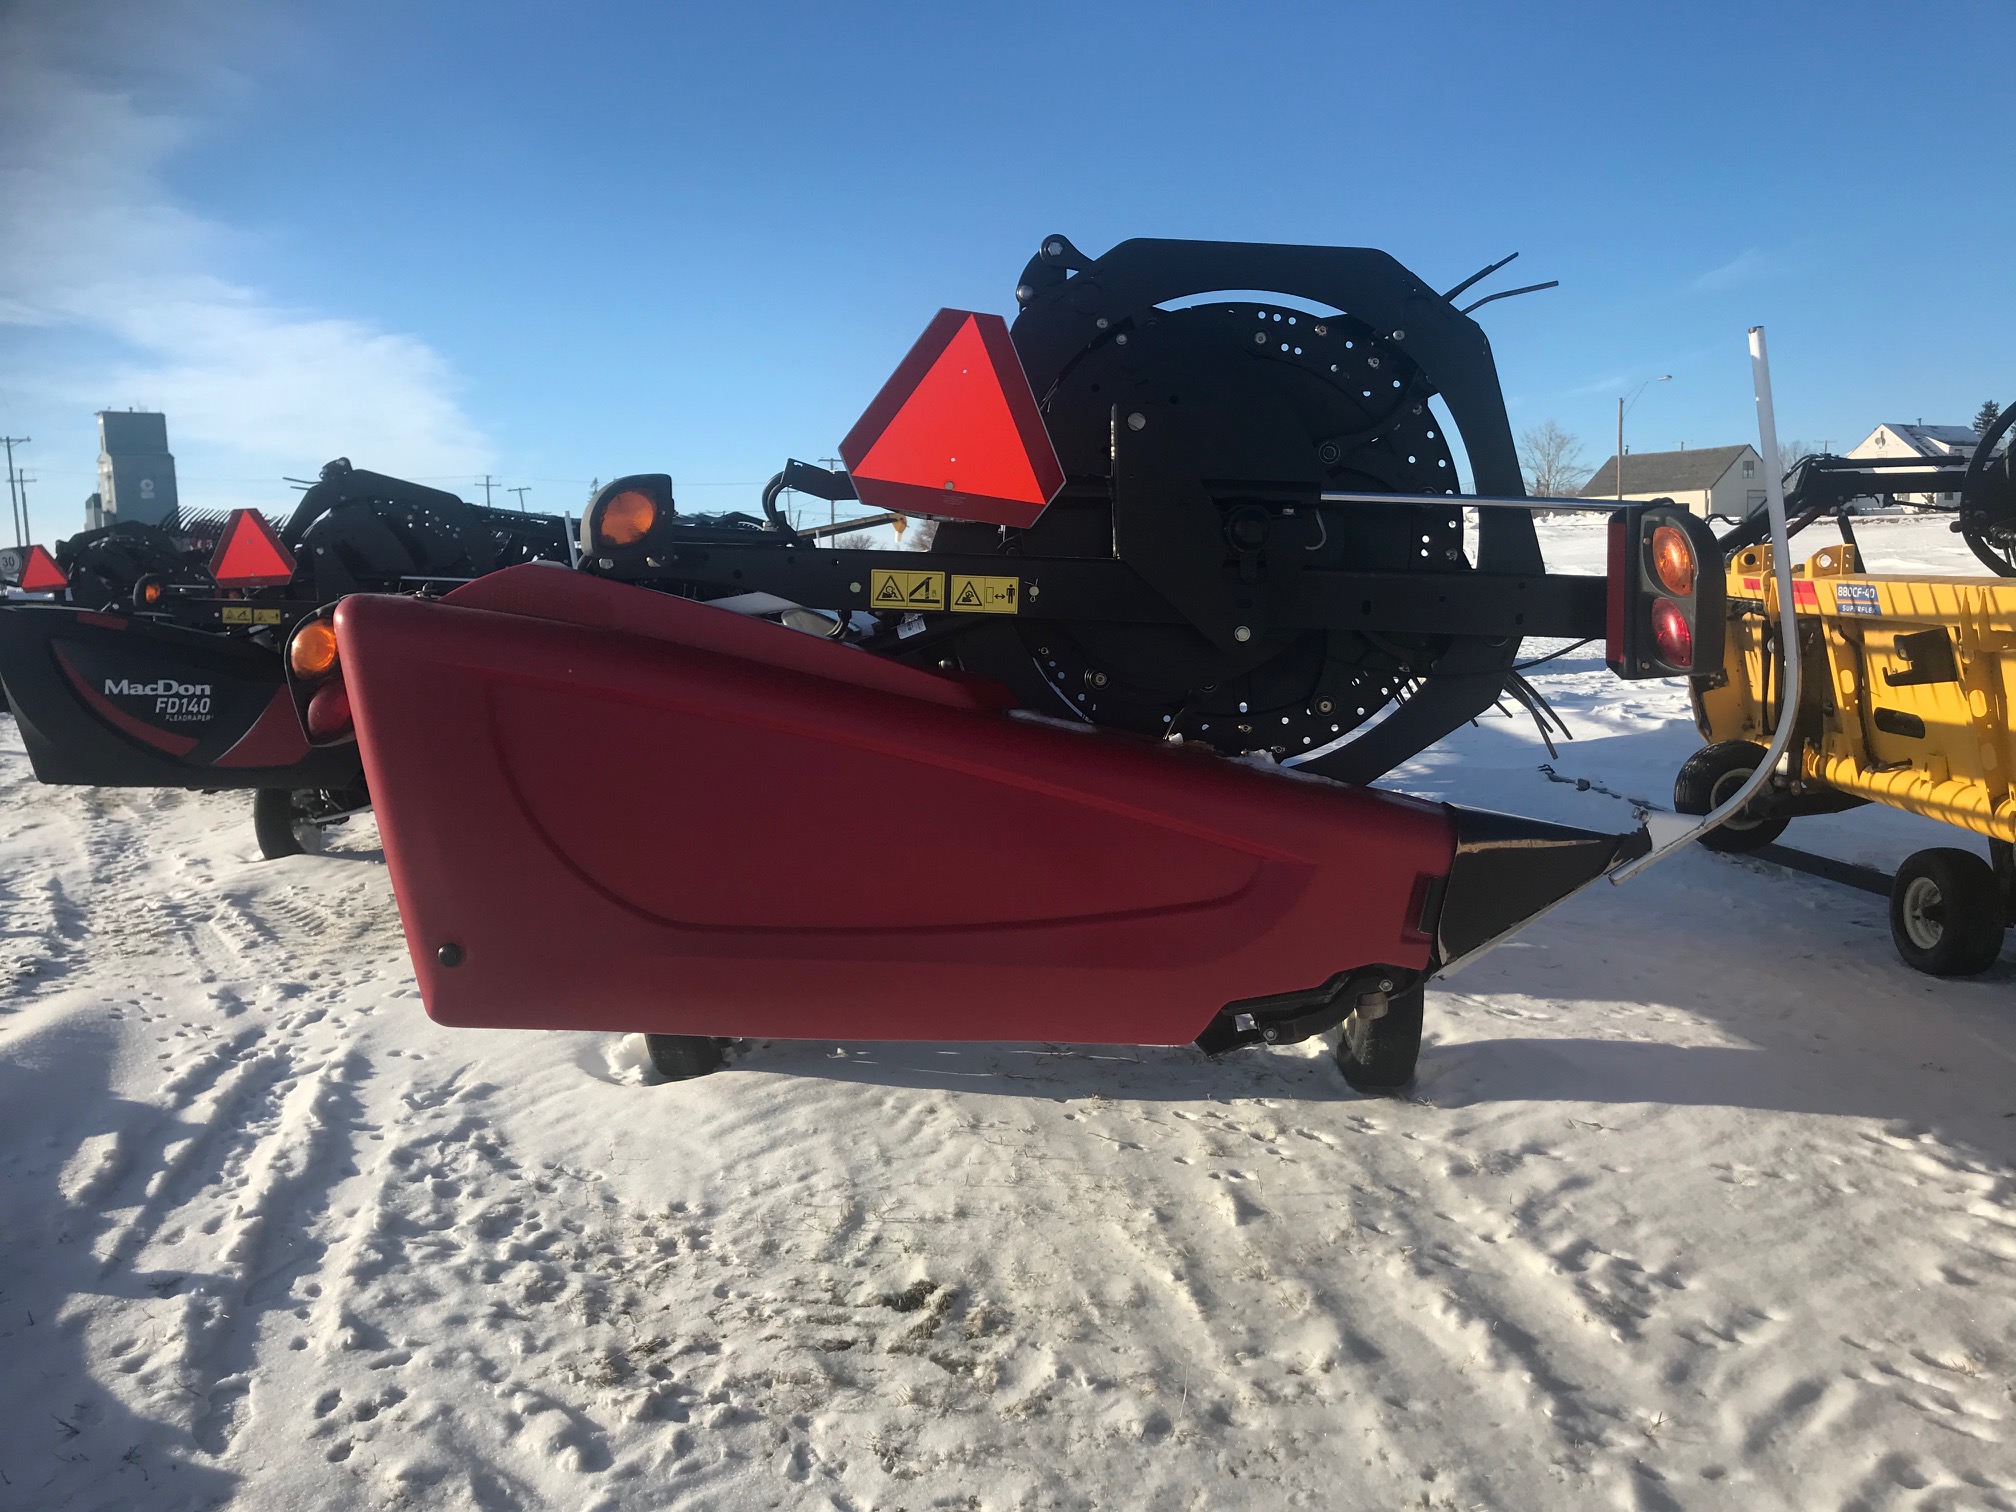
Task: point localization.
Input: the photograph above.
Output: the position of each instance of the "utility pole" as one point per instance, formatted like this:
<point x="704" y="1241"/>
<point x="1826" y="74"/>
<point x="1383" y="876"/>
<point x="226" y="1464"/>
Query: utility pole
<point x="13" y="498"/>
<point x="26" y="479"/>
<point x="1620" y="449"/>
<point x="1622" y="404"/>
<point x="486" y="490"/>
<point x="521" y="492"/>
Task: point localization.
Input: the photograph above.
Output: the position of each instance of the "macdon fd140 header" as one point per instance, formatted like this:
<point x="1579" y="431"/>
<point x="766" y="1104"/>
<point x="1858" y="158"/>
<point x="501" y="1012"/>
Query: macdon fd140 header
<point x="1047" y="780"/>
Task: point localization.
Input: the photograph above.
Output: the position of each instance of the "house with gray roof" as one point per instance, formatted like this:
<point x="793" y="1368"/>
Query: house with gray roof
<point x="1722" y="481"/>
<point x="1895" y="439"/>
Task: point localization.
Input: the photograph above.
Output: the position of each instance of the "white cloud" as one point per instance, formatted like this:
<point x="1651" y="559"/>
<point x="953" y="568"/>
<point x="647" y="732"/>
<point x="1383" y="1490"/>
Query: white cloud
<point x="115" y="282"/>
<point x="1746" y="266"/>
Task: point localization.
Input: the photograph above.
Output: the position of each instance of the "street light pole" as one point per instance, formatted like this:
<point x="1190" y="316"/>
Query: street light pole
<point x="1621" y="405"/>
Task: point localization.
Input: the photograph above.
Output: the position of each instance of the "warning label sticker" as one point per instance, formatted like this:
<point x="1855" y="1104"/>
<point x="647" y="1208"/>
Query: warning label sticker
<point x="1856" y="598"/>
<point x="250" y="614"/>
<point x="986" y="595"/>
<point x="915" y="591"/>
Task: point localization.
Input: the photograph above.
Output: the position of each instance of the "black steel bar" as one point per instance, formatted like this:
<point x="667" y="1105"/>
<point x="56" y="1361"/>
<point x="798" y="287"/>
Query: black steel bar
<point x="1862" y="878"/>
<point x="1102" y="590"/>
<point x="1475" y="501"/>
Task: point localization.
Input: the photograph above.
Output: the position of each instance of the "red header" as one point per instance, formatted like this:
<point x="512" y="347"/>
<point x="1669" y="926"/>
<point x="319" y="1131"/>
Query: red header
<point x="250" y="554"/>
<point x="955" y="432"/>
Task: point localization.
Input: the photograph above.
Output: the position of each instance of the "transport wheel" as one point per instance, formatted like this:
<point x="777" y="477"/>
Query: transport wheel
<point x="1378" y="1055"/>
<point x="274" y="822"/>
<point x="1946" y="913"/>
<point x="681" y="1057"/>
<point x="1711" y="775"/>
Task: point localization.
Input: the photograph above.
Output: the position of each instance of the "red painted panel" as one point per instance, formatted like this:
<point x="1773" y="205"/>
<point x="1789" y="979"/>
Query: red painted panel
<point x="275" y="738"/>
<point x="544" y="591"/>
<point x="639" y="832"/>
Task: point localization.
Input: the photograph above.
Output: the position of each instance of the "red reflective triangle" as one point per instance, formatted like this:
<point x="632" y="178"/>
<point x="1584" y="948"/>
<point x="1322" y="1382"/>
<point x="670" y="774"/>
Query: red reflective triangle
<point x="250" y="555"/>
<point x="40" y="574"/>
<point x="955" y="431"/>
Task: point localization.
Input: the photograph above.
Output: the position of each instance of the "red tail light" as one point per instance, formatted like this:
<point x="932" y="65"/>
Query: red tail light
<point x="329" y="712"/>
<point x="1671" y="635"/>
<point x="1665" y="608"/>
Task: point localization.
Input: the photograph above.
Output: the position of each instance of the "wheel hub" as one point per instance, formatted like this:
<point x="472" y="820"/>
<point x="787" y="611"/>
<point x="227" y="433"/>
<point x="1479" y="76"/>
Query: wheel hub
<point x="1724" y="787"/>
<point x="1924" y="913"/>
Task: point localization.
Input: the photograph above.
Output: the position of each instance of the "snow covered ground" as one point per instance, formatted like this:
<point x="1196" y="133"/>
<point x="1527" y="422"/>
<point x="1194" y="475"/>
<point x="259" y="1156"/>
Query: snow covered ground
<point x="1702" y="1200"/>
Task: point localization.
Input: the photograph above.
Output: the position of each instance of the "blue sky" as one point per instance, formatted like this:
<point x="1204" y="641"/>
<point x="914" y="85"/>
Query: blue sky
<point x="560" y="242"/>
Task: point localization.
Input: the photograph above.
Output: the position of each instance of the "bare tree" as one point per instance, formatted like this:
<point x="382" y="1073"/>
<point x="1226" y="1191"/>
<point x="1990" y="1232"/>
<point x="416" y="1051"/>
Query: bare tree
<point x="1552" y="460"/>
<point x="1790" y="452"/>
<point x="859" y="540"/>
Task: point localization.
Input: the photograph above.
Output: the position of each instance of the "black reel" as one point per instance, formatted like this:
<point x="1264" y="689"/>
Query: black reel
<point x="1988" y="500"/>
<point x="1197" y="442"/>
<point x="356" y="529"/>
<point x="103" y="566"/>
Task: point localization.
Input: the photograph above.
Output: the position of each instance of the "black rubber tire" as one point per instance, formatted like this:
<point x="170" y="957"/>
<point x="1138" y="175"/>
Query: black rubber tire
<point x="681" y="1057"/>
<point x="1378" y="1055"/>
<point x="1946" y="913"/>
<point x="1710" y="775"/>
<point x="273" y="823"/>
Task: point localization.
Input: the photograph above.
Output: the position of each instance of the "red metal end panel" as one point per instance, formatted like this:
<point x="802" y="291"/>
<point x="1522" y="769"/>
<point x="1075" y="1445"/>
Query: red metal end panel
<point x="547" y="592"/>
<point x="275" y="738"/>
<point x="249" y="555"/>
<point x="1622" y="587"/>
<point x="630" y="832"/>
<point x="955" y="432"/>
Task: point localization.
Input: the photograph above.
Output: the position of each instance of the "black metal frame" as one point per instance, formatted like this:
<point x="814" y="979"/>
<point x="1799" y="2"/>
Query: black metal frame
<point x="1240" y="575"/>
<point x="1983" y="484"/>
<point x="234" y="641"/>
<point x="1068" y="301"/>
<point x="1081" y="590"/>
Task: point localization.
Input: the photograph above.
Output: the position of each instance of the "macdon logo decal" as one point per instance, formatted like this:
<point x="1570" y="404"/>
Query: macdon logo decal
<point x="167" y="687"/>
<point x="174" y="702"/>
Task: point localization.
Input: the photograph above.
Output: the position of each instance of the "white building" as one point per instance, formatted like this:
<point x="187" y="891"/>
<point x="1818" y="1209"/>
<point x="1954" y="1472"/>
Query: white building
<point x="1724" y="481"/>
<point x="1919" y="440"/>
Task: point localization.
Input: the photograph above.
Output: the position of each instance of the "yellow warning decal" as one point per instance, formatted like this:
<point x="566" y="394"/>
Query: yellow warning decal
<point x="249" y="614"/>
<point x="986" y="595"/>
<point x="915" y="591"/>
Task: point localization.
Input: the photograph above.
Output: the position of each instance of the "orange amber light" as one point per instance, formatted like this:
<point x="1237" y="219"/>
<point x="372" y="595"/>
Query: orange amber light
<point x="627" y="518"/>
<point x="312" y="652"/>
<point x="1673" y="559"/>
